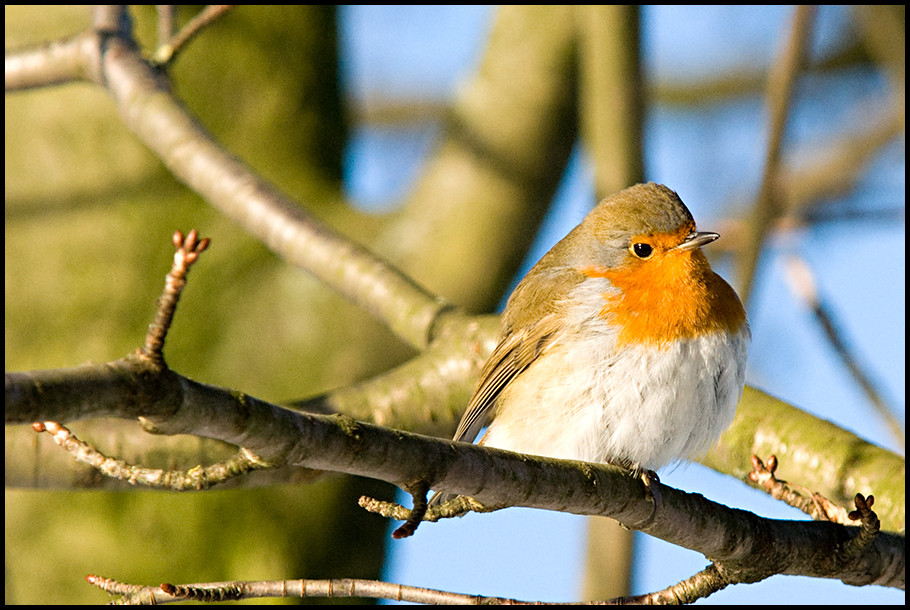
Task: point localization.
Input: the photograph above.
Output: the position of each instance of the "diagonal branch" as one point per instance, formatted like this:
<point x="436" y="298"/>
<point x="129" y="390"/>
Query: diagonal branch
<point x="282" y="224"/>
<point x="144" y="100"/>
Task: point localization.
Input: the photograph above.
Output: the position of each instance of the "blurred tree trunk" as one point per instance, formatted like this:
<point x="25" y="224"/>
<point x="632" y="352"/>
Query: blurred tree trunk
<point x="612" y="109"/>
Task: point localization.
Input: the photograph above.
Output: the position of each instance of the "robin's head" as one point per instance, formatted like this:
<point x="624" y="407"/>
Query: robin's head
<point x="643" y="240"/>
<point x="640" y="222"/>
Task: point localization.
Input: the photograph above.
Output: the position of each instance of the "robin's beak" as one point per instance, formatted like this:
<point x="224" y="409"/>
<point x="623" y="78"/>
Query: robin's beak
<point x="697" y="240"/>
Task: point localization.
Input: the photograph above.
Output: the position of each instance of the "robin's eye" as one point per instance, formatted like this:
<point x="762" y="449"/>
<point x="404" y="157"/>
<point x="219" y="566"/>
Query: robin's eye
<point x="642" y="250"/>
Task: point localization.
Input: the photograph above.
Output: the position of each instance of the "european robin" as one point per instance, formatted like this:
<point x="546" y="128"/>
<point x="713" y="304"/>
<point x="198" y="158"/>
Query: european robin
<point x="619" y="346"/>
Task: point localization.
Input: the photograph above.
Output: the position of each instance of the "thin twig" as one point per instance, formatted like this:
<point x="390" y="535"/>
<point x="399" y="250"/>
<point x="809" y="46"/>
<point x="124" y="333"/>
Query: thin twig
<point x="813" y="504"/>
<point x="419" y="497"/>
<point x="187" y="253"/>
<point x="781" y="84"/>
<point x="698" y="586"/>
<point x="870" y="526"/>
<point x="168" y="49"/>
<point x="801" y="281"/>
<point x="456" y="507"/>
<point x="300" y="588"/>
<point x="167" y="23"/>
<point x="197" y="478"/>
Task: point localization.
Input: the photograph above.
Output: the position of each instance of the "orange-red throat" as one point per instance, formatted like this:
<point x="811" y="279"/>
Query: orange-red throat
<point x="672" y="294"/>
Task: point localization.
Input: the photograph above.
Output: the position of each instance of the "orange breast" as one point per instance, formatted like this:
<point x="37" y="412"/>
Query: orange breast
<point x="673" y="295"/>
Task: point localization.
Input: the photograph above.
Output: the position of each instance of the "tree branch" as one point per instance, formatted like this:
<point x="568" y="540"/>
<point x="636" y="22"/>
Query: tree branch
<point x="494" y="477"/>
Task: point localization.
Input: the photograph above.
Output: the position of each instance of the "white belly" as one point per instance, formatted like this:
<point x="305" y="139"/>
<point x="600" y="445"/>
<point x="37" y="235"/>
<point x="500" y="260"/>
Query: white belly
<point x="645" y="406"/>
